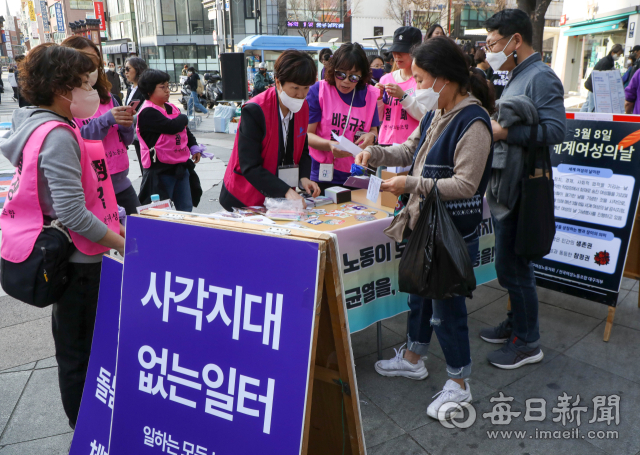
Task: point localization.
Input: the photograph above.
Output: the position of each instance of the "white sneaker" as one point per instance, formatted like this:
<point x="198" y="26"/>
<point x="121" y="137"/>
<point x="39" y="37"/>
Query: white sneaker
<point x="399" y="366"/>
<point x="447" y="405"/>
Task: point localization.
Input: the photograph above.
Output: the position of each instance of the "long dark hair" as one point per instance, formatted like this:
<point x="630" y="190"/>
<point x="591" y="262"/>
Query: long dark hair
<point x="432" y="29"/>
<point x="102" y="86"/>
<point x="442" y="57"/>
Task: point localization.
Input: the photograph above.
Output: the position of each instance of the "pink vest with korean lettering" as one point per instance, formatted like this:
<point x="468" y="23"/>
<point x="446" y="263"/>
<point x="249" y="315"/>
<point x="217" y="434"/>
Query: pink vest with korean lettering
<point x="21" y="219"/>
<point x="170" y="148"/>
<point x="114" y="148"/>
<point x="334" y="114"/>
<point x="397" y="124"/>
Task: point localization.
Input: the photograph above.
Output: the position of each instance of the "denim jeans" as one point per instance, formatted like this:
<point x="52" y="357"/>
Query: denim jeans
<point x="178" y="190"/>
<point x="449" y="320"/>
<point x="515" y="274"/>
<point x="589" y="104"/>
<point x="196" y="103"/>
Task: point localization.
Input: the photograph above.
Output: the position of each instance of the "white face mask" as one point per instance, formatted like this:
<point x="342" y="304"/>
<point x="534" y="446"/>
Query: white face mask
<point x="84" y="103"/>
<point x="429" y="97"/>
<point x="93" y="78"/>
<point x="293" y="104"/>
<point x="617" y="57"/>
<point x="497" y="59"/>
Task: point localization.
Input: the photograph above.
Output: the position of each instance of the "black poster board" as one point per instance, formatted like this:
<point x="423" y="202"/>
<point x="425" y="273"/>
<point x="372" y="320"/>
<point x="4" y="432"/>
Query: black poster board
<point x="596" y="172"/>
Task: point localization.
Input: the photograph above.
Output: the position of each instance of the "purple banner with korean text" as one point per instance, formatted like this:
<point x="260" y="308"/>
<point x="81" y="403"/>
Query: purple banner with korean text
<point x="94" y="420"/>
<point x="595" y="172"/>
<point x="215" y="341"/>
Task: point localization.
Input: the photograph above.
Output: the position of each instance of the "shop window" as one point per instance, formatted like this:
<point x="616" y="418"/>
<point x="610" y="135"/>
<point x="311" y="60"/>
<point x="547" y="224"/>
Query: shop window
<point x="170" y="28"/>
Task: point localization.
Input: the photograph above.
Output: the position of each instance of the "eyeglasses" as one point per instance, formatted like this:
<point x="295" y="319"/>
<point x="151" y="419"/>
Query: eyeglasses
<point x="377" y="67"/>
<point x="341" y="76"/>
<point x="126" y="69"/>
<point x="489" y="47"/>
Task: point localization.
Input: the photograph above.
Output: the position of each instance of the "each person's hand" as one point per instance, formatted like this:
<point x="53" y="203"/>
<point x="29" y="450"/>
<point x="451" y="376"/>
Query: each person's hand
<point x="363" y="158"/>
<point x="366" y="140"/>
<point x="394" y="90"/>
<point x="196" y="157"/>
<point x="499" y="133"/>
<point x="628" y="107"/>
<point x="310" y="187"/>
<point x="122" y="116"/>
<point x="380" y="87"/>
<point x="395" y="185"/>
<point x="337" y="153"/>
<point x="292" y="195"/>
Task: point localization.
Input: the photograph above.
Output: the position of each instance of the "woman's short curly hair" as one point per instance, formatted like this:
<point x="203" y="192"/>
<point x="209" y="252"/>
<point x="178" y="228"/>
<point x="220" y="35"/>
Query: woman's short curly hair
<point x="50" y="69"/>
<point x="103" y="86"/>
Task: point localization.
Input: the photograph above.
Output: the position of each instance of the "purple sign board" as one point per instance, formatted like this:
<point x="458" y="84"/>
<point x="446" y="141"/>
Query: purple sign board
<point x="216" y="332"/>
<point x="94" y="421"/>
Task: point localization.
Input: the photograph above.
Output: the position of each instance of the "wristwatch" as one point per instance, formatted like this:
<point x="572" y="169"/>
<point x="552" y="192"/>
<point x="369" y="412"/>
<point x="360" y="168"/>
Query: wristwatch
<point x="403" y="97"/>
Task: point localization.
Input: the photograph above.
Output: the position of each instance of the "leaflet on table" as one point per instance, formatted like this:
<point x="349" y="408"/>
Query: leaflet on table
<point x="346" y="145"/>
<point x="595" y="172"/>
<point x="159" y="205"/>
<point x="214" y="350"/>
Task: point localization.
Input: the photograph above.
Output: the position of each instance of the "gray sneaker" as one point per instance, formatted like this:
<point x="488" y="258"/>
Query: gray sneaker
<point x="498" y="334"/>
<point x="514" y="354"/>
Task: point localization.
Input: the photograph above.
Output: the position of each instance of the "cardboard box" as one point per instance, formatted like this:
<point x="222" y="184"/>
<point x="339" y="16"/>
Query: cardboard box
<point x="338" y="194"/>
<point x="387" y="199"/>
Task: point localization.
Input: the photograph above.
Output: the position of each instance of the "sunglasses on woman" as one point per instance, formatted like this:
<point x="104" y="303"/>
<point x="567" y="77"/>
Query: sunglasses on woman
<point x="341" y="76"/>
<point x="126" y="69"/>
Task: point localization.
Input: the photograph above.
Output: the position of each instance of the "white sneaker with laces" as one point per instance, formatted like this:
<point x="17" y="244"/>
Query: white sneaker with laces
<point x="399" y="366"/>
<point x="447" y="405"/>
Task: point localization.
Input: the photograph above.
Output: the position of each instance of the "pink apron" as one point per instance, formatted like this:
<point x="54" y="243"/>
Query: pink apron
<point x="334" y="117"/>
<point x="21" y="219"/>
<point x="170" y="148"/>
<point x="397" y="124"/>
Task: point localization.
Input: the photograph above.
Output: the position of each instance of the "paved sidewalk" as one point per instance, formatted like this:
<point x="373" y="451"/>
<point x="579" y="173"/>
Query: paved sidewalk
<point x="576" y="361"/>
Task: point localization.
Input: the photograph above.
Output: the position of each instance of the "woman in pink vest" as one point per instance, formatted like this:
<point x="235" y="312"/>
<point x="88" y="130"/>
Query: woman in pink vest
<point x="168" y="149"/>
<point x="403" y="102"/>
<point x="270" y="156"/>
<point x="345" y="104"/>
<point x="61" y="179"/>
<point x="112" y="125"/>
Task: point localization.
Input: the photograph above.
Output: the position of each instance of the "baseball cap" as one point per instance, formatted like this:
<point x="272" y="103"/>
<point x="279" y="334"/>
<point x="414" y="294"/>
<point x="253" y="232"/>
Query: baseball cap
<point x="404" y="38"/>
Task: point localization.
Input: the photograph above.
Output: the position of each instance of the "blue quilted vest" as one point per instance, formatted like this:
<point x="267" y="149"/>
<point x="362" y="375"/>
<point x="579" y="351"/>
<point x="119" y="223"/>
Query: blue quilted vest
<point x="465" y="213"/>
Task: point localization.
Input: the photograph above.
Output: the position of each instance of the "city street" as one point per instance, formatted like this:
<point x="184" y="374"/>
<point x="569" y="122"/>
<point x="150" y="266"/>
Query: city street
<point x="576" y="362"/>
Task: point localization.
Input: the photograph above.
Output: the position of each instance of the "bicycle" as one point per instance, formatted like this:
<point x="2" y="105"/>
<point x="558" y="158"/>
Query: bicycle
<point x="174" y="87"/>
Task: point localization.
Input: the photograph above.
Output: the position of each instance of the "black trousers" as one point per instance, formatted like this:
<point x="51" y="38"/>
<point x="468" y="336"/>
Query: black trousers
<point x="72" y="323"/>
<point x="136" y="145"/>
<point x="129" y="200"/>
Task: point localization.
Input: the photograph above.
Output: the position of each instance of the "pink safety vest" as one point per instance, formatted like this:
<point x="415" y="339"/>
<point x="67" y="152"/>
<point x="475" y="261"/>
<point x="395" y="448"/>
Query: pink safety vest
<point x="114" y="148"/>
<point x="397" y="124"/>
<point x="170" y="148"/>
<point x="21" y="219"/>
<point x="334" y="115"/>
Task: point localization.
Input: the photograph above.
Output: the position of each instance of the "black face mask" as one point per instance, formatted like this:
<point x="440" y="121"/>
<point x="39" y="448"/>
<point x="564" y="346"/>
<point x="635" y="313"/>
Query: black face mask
<point x="262" y="70"/>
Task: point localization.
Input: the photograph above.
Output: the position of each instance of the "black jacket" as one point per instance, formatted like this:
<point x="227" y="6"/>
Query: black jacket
<point x="605" y="64"/>
<point x="136" y="96"/>
<point x="192" y="81"/>
<point x="114" y="80"/>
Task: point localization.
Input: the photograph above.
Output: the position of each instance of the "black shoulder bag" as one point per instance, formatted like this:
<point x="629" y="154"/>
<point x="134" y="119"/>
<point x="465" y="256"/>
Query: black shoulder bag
<point x="536" y="220"/>
<point x="41" y="279"/>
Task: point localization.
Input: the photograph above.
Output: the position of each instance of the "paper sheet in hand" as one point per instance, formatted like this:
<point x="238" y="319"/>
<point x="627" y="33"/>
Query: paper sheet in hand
<point x="374" y="188"/>
<point x="346" y="145"/>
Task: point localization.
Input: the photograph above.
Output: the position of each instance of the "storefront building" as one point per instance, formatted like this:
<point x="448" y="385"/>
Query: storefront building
<point x="172" y="33"/>
<point x="588" y="33"/>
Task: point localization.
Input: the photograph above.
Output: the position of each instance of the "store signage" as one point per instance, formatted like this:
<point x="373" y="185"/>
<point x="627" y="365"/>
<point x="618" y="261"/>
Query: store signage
<point x="563" y="19"/>
<point x="59" y="17"/>
<point x="215" y="341"/>
<point x="596" y="172"/>
<point x="45" y="16"/>
<point x="329" y="25"/>
<point x="32" y="11"/>
<point x="98" y="8"/>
